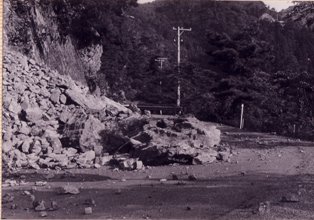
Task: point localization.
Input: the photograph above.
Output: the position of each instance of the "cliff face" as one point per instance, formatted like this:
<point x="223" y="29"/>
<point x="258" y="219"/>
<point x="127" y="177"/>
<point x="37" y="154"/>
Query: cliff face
<point x="38" y="30"/>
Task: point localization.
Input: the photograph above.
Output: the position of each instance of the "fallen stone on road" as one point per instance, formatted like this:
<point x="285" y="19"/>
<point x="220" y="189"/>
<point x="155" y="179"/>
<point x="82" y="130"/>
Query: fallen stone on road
<point x="88" y="210"/>
<point x="68" y="189"/>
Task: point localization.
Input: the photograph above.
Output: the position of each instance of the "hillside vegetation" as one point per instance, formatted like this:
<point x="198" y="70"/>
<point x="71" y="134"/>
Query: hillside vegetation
<point x="230" y="57"/>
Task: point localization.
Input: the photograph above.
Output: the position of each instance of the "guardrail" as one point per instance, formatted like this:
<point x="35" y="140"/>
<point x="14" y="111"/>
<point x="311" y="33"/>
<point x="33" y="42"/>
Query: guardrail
<point x="159" y="109"/>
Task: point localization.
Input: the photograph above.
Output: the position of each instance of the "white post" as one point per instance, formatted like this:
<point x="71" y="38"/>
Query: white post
<point x="242" y="119"/>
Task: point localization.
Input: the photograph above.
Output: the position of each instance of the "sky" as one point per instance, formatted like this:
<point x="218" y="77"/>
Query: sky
<point x="277" y="4"/>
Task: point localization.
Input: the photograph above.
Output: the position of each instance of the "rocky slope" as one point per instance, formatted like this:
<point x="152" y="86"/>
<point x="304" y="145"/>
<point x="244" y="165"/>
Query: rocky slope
<point x="301" y="13"/>
<point x="52" y="121"/>
<point x="44" y="111"/>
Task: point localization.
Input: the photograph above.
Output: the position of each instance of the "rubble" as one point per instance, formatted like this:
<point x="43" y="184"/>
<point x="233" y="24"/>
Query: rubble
<point x="52" y="121"/>
<point x="49" y="116"/>
<point x="40" y="206"/>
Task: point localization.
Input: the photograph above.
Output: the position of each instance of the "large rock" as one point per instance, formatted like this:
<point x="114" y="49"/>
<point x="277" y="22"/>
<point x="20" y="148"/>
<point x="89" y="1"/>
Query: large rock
<point x="36" y="147"/>
<point x="55" y="144"/>
<point x="33" y="114"/>
<point x="86" y="159"/>
<point x="90" y="137"/>
<point x="59" y="159"/>
<point x="26" y="145"/>
<point x="55" y="95"/>
<point x="76" y="95"/>
<point x="24" y="129"/>
<point x="7" y="146"/>
<point x="204" y="157"/>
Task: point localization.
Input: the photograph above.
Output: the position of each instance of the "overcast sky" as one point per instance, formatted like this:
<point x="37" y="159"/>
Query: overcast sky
<point x="277" y="4"/>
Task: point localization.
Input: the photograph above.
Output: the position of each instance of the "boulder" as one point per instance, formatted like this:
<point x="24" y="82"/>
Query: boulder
<point x="59" y="159"/>
<point x="65" y="116"/>
<point x="36" y="131"/>
<point x="127" y="164"/>
<point x="24" y="129"/>
<point x="68" y="189"/>
<point x="63" y="99"/>
<point x="26" y="145"/>
<point x="25" y="104"/>
<point x="14" y="107"/>
<point x="86" y="159"/>
<point x="139" y="165"/>
<point x="55" y="144"/>
<point x="70" y="152"/>
<point x="55" y="95"/>
<point x="7" y="146"/>
<point x="33" y="114"/>
<point x="20" y="88"/>
<point x="104" y="160"/>
<point x="36" y="147"/>
<point x="75" y="96"/>
<point x="90" y="135"/>
<point x="224" y="155"/>
<point x="205" y="157"/>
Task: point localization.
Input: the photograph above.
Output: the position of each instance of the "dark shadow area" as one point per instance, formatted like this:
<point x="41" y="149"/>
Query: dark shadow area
<point x="61" y="177"/>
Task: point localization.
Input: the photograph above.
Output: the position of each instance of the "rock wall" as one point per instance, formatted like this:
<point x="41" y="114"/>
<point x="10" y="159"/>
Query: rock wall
<point x="38" y="29"/>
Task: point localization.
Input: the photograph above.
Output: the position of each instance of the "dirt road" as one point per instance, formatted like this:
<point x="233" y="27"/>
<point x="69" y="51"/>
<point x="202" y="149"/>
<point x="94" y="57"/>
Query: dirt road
<point x="263" y="169"/>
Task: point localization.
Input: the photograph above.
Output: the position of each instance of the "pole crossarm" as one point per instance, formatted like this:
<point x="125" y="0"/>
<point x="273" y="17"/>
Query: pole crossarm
<point x="161" y="60"/>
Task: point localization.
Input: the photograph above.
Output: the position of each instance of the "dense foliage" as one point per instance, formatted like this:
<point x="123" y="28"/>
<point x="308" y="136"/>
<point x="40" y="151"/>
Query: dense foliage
<point x="231" y="57"/>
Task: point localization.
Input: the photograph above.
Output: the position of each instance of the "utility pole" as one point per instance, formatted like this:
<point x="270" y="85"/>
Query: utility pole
<point x="161" y="60"/>
<point x="180" y="31"/>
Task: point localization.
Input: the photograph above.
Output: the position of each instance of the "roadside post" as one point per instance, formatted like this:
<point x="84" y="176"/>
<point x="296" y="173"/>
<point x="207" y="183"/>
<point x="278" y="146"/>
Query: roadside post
<point x="241" y="118"/>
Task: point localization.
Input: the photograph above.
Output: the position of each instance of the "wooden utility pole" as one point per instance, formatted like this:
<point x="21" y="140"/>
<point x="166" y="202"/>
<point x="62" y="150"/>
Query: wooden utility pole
<point x="161" y="60"/>
<point x="180" y="31"/>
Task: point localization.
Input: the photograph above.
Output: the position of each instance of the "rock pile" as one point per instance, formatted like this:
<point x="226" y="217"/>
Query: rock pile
<point x="51" y="121"/>
<point x="165" y="141"/>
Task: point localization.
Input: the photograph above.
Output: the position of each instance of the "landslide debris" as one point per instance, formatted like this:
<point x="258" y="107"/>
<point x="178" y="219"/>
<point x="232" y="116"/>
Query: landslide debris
<point x="51" y="121"/>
